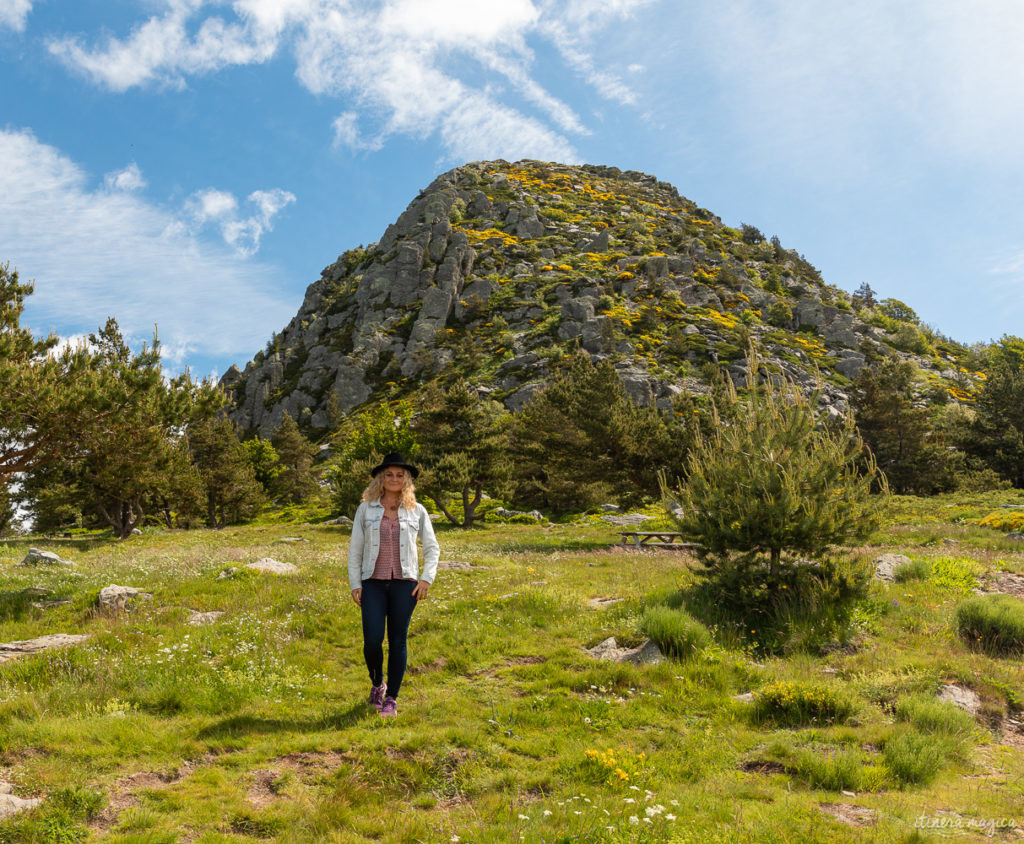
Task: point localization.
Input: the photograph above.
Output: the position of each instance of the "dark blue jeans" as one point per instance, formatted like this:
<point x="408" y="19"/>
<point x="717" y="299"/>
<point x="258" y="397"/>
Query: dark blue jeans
<point x="387" y="603"/>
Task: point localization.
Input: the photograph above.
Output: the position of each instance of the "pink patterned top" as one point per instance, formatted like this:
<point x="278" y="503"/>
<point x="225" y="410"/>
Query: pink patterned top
<point x="389" y="558"/>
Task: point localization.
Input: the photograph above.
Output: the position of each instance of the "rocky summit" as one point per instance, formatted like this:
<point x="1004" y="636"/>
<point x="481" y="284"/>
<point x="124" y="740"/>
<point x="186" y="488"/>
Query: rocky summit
<point x="496" y="271"/>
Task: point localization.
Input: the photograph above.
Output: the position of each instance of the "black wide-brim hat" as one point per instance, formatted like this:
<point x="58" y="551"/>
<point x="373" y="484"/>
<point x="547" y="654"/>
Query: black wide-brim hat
<point x="394" y="459"/>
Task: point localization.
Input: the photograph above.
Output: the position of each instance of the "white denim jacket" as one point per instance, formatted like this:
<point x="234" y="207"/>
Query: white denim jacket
<point x="364" y="545"/>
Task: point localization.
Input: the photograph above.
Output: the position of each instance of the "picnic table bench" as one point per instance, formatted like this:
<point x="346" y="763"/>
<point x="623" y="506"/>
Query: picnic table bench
<point x="660" y="539"/>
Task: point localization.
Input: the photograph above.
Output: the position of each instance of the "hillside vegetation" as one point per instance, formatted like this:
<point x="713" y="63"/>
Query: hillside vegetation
<point x="253" y="725"/>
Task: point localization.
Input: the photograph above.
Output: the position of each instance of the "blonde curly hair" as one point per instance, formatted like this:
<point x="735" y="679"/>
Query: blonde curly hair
<point x="375" y="490"/>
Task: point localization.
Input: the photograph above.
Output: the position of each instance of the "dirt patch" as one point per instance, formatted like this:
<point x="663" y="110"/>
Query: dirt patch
<point x="759" y="766"/>
<point x="435" y="665"/>
<point x="123" y="793"/>
<point x="850" y="814"/>
<point x="310" y="761"/>
<point x="265" y="788"/>
<point x="516" y="660"/>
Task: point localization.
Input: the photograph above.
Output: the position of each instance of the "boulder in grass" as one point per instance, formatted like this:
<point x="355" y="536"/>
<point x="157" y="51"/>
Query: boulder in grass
<point x="116" y="598"/>
<point x="198" y="619"/>
<point x="11" y="804"/>
<point x="36" y="557"/>
<point x="886" y="565"/>
<point x="272" y="566"/>
<point x="12" y="650"/>
<point x="961" y="696"/>
<point x="646" y="654"/>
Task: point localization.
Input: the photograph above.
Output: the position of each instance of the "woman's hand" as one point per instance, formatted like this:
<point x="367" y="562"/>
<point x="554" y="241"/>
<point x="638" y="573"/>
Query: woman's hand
<point x="421" y="590"/>
<point x="357" y="596"/>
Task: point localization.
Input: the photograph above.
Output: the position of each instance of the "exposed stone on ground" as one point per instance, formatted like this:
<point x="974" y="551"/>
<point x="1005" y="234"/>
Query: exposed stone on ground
<point x="11" y="804"/>
<point x="12" y="650"/>
<point x="746" y="697"/>
<point x="886" y="565"/>
<point x="114" y="598"/>
<point x="455" y="565"/>
<point x="1007" y="583"/>
<point x="49" y="605"/>
<point x="961" y="696"/>
<point x="197" y="619"/>
<point x="502" y="513"/>
<point x="627" y="519"/>
<point x="609" y="651"/>
<point x="293" y="539"/>
<point x="228" y="573"/>
<point x="37" y="557"/>
<point x="272" y="566"/>
<point x="850" y="813"/>
<point x="603" y="603"/>
<point x="341" y="520"/>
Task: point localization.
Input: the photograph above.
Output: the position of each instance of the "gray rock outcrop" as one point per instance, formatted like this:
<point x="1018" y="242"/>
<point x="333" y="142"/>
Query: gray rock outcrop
<point x="37" y="557"/>
<point x="496" y="270"/>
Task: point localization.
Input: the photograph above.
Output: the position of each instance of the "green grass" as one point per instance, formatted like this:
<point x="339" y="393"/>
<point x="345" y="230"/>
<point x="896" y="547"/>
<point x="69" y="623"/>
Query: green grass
<point x="994" y="623"/>
<point x="254" y="728"/>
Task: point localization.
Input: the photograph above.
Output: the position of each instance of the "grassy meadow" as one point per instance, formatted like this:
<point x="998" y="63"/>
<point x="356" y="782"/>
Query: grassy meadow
<point x="255" y="727"/>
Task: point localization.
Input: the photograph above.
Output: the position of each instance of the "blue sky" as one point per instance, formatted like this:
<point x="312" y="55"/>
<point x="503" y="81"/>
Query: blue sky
<point x="195" y="164"/>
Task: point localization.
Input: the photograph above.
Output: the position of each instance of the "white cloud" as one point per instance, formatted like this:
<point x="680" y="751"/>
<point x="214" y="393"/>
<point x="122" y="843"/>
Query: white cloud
<point x="128" y="179"/>
<point x="392" y="62"/>
<point x="14" y="13"/>
<point x="220" y="209"/>
<point x="95" y="253"/>
<point x="347" y="133"/>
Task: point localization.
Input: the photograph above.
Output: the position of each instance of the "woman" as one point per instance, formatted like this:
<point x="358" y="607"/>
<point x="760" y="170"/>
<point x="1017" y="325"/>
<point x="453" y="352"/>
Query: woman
<point x="383" y="571"/>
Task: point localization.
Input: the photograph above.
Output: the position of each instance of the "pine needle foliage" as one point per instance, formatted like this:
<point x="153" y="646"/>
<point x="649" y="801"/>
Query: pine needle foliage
<point x="776" y="480"/>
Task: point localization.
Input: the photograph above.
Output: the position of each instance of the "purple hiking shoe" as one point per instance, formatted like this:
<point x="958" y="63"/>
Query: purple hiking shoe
<point x="377" y="696"/>
<point x="389" y="708"/>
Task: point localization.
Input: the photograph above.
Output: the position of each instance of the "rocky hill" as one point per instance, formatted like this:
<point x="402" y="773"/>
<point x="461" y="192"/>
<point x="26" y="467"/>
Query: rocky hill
<point x="498" y="270"/>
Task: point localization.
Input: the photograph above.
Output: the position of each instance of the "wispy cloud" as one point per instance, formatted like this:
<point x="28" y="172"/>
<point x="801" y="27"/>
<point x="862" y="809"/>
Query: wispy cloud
<point x="128" y="179"/>
<point x="97" y="252"/>
<point x="14" y="14"/>
<point x="221" y="209"/>
<point x="391" y="63"/>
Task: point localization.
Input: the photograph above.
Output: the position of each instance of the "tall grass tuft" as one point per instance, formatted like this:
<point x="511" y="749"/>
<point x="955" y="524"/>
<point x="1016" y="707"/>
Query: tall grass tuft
<point x="914" y="758"/>
<point x="918" y="569"/>
<point x="992" y="623"/>
<point x="833" y="772"/>
<point x="935" y="717"/>
<point x="674" y="631"/>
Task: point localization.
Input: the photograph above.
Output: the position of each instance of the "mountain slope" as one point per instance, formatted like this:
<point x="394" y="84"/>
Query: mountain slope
<point x="497" y="270"/>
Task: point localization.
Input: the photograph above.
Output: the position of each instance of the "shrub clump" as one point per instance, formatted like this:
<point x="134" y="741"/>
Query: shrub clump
<point x="1005" y="520"/>
<point x="913" y="758"/>
<point x="918" y="569"/>
<point x="993" y="623"/>
<point x="786" y="703"/>
<point x="677" y="633"/>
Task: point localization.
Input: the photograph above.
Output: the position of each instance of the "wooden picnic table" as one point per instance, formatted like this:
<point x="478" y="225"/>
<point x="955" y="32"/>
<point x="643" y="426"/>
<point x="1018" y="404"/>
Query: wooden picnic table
<point x="655" y="539"/>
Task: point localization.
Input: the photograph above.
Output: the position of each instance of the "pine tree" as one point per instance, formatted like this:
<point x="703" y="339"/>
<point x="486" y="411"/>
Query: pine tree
<point x="295" y="482"/>
<point x="133" y="462"/>
<point x="262" y="458"/>
<point x="775" y="482"/>
<point x="911" y="453"/>
<point x="46" y="395"/>
<point x="231" y="489"/>
<point x="463" y="449"/>
<point x="996" y="434"/>
<point x="581" y="441"/>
